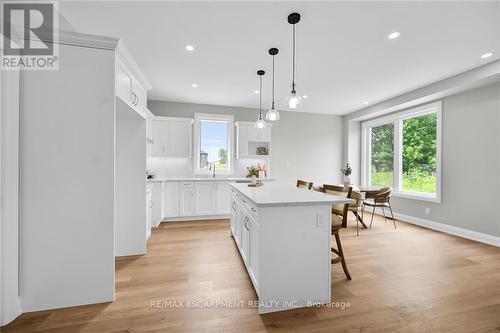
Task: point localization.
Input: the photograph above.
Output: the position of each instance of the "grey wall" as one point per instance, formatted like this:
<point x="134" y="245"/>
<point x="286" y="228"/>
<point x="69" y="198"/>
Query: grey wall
<point x="66" y="181"/>
<point x="470" y="163"/>
<point x="304" y="145"/>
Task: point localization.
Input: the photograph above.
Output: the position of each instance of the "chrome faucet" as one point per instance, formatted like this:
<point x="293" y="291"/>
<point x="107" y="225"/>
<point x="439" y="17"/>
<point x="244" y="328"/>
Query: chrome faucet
<point x="212" y="167"/>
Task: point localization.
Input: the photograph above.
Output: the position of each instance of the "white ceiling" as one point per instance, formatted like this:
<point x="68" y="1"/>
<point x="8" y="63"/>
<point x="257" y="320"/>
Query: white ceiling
<point x="343" y="58"/>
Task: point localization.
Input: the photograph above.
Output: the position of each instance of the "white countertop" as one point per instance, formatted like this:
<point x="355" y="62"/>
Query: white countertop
<point x="276" y="194"/>
<point x="191" y="179"/>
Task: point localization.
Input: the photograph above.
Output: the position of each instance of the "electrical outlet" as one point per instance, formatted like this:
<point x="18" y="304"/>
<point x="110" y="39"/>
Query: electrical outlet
<point x="321" y="220"/>
<point x="427" y="211"/>
<point x="287" y="164"/>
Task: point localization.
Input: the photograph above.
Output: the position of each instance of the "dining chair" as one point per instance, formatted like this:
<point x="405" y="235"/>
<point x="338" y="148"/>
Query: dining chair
<point x="339" y="221"/>
<point x="304" y="184"/>
<point x="381" y="199"/>
<point x="354" y="207"/>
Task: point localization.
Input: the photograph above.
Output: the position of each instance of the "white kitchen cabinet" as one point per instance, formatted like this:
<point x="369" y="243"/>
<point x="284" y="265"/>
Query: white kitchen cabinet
<point x="234" y="213"/>
<point x="245" y="237"/>
<point x="259" y="135"/>
<point x="128" y="87"/>
<point x="179" y="137"/>
<point x="149" y="208"/>
<point x="205" y="200"/>
<point x="254" y="250"/>
<point x="156" y="201"/>
<point x="249" y="138"/>
<point x="222" y="198"/>
<point x="187" y="206"/>
<point x="159" y="135"/>
<point x="171" y="196"/>
<point x="149" y="125"/>
<point x="141" y="97"/>
<point x="171" y="137"/>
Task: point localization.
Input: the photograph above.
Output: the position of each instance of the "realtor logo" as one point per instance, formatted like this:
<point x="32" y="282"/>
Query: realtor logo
<point x="29" y="36"/>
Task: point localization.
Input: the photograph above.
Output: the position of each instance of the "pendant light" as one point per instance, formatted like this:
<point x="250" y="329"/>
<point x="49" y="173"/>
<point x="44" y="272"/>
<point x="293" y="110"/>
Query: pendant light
<point x="260" y="123"/>
<point x="273" y="114"/>
<point x="293" y="100"/>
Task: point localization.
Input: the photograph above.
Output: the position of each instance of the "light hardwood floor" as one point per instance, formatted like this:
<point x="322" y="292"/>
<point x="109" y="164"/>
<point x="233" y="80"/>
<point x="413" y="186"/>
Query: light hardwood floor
<point x="405" y="280"/>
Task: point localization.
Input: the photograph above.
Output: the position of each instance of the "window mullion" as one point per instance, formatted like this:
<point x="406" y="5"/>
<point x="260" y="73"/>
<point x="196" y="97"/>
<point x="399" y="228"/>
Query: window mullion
<point x="398" y="154"/>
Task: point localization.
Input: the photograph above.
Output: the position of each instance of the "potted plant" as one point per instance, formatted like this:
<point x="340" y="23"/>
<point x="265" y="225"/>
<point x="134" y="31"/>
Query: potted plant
<point x="347" y="172"/>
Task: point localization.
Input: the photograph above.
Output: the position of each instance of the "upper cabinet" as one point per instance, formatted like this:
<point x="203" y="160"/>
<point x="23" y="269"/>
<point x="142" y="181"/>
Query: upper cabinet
<point x="252" y="142"/>
<point x="171" y="137"/>
<point x="149" y="125"/>
<point x="131" y="85"/>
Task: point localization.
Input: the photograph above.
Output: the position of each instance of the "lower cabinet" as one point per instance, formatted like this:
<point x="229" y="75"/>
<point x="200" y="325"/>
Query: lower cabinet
<point x="187" y="207"/>
<point x="149" y="208"/>
<point x="222" y="198"/>
<point x="253" y="252"/>
<point x="195" y="198"/>
<point x="205" y="200"/>
<point x="170" y="199"/>
<point x="245" y="229"/>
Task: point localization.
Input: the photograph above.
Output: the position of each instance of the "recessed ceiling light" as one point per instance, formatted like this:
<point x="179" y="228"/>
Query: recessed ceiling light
<point x="365" y="102"/>
<point x="486" y="55"/>
<point x="305" y="96"/>
<point x="256" y="92"/>
<point x="190" y="47"/>
<point x="194" y="85"/>
<point x="393" y="35"/>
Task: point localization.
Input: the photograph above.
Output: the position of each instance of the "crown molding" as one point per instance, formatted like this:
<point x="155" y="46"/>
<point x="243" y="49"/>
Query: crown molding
<point x="64" y="37"/>
<point x="129" y="61"/>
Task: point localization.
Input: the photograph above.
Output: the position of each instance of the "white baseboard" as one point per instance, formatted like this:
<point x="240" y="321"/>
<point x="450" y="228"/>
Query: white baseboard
<point x="196" y="218"/>
<point x="449" y="229"/>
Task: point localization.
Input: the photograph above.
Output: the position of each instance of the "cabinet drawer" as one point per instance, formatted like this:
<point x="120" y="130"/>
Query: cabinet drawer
<point x="187" y="184"/>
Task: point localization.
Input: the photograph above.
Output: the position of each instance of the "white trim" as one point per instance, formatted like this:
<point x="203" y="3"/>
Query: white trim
<point x="10" y="303"/>
<point x="198" y="117"/>
<point x="196" y="218"/>
<point x="129" y="61"/>
<point x="452" y="230"/>
<point x="397" y="119"/>
<point x="97" y="42"/>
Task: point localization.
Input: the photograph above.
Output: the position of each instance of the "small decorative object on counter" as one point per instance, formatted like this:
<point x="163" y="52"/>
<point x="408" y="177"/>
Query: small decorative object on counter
<point x="254" y="180"/>
<point x="257" y="184"/>
<point x="262" y="151"/>
<point x="252" y="171"/>
<point x="262" y="170"/>
<point x="347" y="172"/>
<point x="149" y="175"/>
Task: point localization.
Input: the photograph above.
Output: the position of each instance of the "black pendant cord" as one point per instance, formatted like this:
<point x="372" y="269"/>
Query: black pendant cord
<point x="272" y="104"/>
<point x="293" y="58"/>
<point x="260" y="98"/>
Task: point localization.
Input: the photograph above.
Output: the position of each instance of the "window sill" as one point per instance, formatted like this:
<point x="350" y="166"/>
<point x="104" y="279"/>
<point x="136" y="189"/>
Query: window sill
<point x="417" y="196"/>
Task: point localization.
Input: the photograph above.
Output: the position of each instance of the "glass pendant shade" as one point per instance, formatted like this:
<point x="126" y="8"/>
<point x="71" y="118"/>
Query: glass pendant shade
<point x="260" y="123"/>
<point x="293" y="100"/>
<point x="272" y="114"/>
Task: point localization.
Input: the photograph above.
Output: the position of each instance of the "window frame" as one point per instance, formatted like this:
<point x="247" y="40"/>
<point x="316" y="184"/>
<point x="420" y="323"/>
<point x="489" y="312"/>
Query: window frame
<point x="397" y="119"/>
<point x="213" y="117"/>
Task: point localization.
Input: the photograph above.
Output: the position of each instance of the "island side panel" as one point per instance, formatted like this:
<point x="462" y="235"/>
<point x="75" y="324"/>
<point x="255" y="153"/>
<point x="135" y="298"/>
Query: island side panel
<point x="294" y="256"/>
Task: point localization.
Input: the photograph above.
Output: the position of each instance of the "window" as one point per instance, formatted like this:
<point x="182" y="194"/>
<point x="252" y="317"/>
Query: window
<point x="212" y="138"/>
<point x="402" y="151"/>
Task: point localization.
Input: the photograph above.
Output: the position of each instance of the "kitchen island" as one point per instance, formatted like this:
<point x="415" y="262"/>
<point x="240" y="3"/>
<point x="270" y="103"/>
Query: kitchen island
<point x="283" y="235"/>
